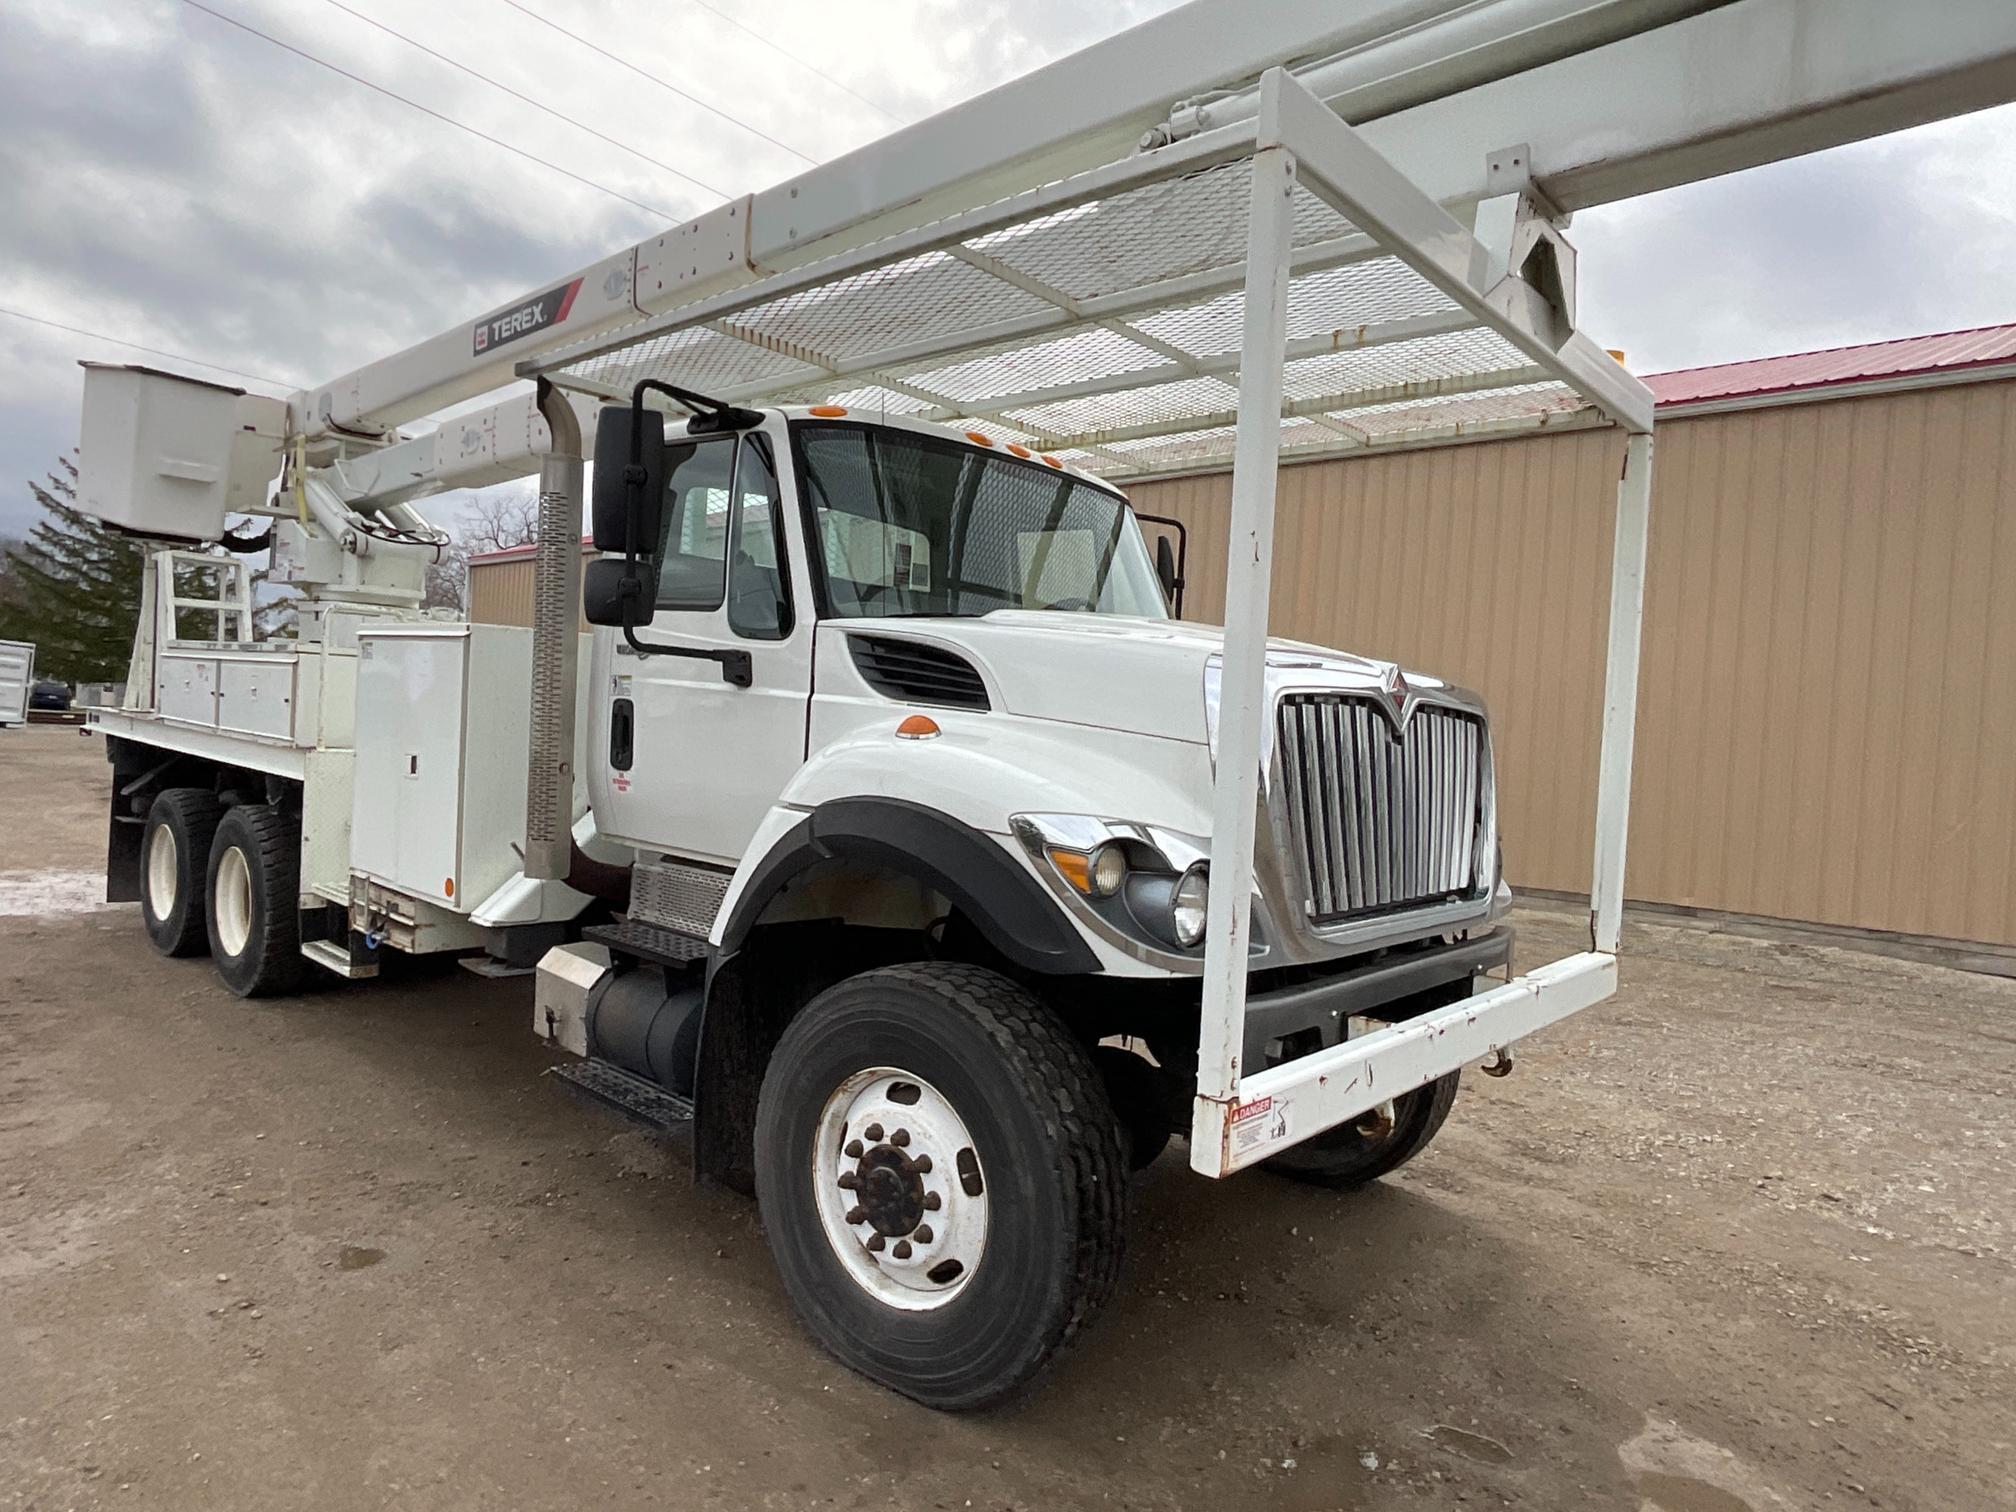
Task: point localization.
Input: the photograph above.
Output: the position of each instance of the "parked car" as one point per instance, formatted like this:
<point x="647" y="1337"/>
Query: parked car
<point x="48" y="693"/>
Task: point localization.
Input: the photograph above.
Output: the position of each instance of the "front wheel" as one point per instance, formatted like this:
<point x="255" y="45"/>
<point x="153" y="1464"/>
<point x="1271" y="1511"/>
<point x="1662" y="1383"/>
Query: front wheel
<point x="1354" y="1153"/>
<point x="942" y="1178"/>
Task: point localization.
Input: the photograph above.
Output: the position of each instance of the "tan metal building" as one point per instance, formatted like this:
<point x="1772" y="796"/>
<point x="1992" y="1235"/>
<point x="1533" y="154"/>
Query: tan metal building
<point x="500" y="586"/>
<point x="1827" y="713"/>
<point x="1827" y="718"/>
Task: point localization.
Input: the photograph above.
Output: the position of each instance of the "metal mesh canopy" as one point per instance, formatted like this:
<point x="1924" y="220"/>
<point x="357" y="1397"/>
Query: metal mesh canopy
<point x="1103" y="328"/>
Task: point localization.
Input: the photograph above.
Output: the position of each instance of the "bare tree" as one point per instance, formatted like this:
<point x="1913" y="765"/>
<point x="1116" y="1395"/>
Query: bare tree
<point x="493" y="522"/>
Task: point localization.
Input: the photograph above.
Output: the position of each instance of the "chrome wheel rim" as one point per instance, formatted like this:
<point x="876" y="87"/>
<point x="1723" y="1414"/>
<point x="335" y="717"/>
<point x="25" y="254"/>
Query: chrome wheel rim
<point x="162" y="871"/>
<point x="901" y="1195"/>
<point x="232" y="906"/>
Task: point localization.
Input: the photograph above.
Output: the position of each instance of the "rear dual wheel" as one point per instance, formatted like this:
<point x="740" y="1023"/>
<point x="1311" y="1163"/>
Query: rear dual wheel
<point x="174" y="856"/>
<point x="254" y="913"/>
<point x="226" y="881"/>
<point x="943" y="1180"/>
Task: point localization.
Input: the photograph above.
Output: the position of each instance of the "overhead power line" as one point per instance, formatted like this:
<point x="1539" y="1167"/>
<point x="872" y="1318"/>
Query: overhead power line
<point x="804" y="63"/>
<point x="622" y="62"/>
<point x="527" y="99"/>
<point x="427" y="110"/>
<point x="215" y="367"/>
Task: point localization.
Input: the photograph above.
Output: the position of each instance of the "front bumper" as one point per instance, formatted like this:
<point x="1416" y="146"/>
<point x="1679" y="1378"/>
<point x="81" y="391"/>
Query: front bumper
<point x="1327" y="1005"/>
<point x="1286" y="1104"/>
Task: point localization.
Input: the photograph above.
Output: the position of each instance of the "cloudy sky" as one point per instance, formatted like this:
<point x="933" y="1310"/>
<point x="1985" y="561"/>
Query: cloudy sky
<point x="170" y="179"/>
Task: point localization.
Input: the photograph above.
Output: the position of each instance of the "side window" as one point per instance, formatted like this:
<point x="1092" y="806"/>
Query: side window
<point x="692" y="557"/>
<point x="759" y="605"/>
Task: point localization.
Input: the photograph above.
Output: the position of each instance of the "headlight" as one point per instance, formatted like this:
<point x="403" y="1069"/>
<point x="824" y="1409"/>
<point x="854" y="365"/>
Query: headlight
<point x="1189" y="904"/>
<point x="1097" y="874"/>
<point x="1141" y="887"/>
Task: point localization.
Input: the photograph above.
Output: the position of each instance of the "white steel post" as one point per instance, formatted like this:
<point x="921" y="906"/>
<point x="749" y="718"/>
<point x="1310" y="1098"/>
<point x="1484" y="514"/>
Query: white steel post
<point x="1242" y="689"/>
<point x="1620" y="692"/>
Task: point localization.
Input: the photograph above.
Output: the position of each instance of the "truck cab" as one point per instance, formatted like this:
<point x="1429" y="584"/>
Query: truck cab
<point x="916" y="764"/>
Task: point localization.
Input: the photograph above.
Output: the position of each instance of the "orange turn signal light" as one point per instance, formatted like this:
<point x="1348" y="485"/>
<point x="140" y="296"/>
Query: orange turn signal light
<point x="917" y="727"/>
<point x="1076" y="868"/>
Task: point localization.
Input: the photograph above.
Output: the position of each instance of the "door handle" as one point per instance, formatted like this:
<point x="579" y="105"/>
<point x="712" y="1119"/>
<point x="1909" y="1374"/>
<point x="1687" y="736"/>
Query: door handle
<point x="622" y="734"/>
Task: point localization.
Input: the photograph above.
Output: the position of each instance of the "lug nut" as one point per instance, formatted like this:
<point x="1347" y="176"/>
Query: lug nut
<point x="875" y="1242"/>
<point x="900" y="1138"/>
<point x="921" y="1165"/>
<point x="854" y="1150"/>
<point x="873" y="1132"/>
<point x="902" y="1250"/>
<point x="923" y="1234"/>
<point x="850" y="1181"/>
<point x="856" y="1215"/>
<point x="933" y="1202"/>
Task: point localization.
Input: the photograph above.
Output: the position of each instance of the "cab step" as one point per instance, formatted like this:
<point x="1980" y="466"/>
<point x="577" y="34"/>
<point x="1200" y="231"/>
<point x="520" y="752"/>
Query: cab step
<point x="634" y="1097"/>
<point x="334" y="957"/>
<point x="656" y="943"/>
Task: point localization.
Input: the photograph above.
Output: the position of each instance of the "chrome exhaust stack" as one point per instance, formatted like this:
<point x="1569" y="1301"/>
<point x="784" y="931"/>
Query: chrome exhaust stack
<point x="556" y="657"/>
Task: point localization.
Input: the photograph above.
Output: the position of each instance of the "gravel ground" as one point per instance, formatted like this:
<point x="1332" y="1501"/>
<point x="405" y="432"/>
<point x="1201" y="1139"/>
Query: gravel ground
<point x="1737" y="1241"/>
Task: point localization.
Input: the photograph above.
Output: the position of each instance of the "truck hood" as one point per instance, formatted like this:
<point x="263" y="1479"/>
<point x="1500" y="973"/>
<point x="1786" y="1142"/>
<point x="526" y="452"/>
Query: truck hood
<point x="1145" y="676"/>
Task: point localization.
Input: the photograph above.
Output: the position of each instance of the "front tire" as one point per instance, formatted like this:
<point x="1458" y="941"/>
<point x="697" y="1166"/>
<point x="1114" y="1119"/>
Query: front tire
<point x="254" y="901"/>
<point x="1350" y="1155"/>
<point x="943" y="1181"/>
<point x="174" y="856"/>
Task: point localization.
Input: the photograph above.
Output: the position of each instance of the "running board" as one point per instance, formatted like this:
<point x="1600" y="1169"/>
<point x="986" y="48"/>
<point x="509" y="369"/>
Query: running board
<point x="644" y="1101"/>
<point x="648" y="942"/>
<point x="333" y="957"/>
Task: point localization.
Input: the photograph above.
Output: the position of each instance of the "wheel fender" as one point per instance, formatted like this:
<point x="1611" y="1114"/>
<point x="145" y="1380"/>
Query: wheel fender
<point x="971" y="869"/>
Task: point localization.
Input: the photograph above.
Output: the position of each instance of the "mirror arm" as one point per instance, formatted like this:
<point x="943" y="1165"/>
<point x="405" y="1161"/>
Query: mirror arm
<point x="737" y="667"/>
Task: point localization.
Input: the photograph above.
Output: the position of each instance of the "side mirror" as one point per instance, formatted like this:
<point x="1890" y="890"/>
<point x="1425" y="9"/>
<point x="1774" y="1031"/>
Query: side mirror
<point x="611" y="586"/>
<point x="1165" y="569"/>
<point x="609" y="513"/>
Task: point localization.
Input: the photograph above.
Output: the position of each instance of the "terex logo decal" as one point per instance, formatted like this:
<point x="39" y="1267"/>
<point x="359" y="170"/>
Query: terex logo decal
<point x="536" y="314"/>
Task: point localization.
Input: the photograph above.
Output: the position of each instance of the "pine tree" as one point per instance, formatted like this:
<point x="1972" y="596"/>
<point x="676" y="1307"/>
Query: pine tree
<point x="73" y="588"/>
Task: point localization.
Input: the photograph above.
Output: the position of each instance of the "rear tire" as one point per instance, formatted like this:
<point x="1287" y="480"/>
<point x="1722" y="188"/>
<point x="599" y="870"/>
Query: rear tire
<point x="943" y="1180"/>
<point x="253" y="889"/>
<point x="1346" y="1157"/>
<point x="174" y="861"/>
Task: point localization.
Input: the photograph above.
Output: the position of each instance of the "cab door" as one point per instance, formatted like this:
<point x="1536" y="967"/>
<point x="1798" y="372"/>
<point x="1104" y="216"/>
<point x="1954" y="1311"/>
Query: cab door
<point x="689" y="762"/>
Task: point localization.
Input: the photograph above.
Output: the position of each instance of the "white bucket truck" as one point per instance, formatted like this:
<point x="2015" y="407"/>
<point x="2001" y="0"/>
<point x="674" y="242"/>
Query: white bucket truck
<point x="892" y="827"/>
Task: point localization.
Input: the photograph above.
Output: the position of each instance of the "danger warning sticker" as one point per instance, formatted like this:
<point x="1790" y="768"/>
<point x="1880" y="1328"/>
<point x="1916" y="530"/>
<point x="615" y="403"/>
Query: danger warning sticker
<point x="1257" y="1124"/>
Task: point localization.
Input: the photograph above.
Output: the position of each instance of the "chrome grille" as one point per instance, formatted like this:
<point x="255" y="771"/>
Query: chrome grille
<point x="1381" y="821"/>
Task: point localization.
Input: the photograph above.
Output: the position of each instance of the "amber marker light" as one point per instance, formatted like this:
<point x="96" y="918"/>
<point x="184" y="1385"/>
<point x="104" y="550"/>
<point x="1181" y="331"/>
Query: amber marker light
<point x="917" y="727"/>
<point x="979" y="439"/>
<point x="828" y="411"/>
<point x="1075" y="867"/>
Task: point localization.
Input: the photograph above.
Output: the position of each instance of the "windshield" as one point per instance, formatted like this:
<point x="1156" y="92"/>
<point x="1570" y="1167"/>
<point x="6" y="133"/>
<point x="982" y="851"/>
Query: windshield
<point x="911" y="525"/>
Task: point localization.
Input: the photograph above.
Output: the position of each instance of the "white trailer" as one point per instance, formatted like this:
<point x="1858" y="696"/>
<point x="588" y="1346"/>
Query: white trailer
<point x="17" y="677"/>
<point x="899" y="833"/>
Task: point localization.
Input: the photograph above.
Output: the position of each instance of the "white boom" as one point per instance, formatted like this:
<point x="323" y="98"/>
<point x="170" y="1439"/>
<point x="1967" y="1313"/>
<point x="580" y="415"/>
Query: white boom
<point x="1607" y="98"/>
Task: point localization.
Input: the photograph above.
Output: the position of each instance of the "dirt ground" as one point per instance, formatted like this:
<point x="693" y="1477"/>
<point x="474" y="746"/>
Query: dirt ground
<point x="1735" y="1242"/>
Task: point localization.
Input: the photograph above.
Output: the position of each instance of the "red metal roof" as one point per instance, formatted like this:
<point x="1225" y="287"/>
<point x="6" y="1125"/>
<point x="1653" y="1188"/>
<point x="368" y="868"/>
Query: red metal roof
<point x="1911" y="355"/>
<point x="513" y="553"/>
